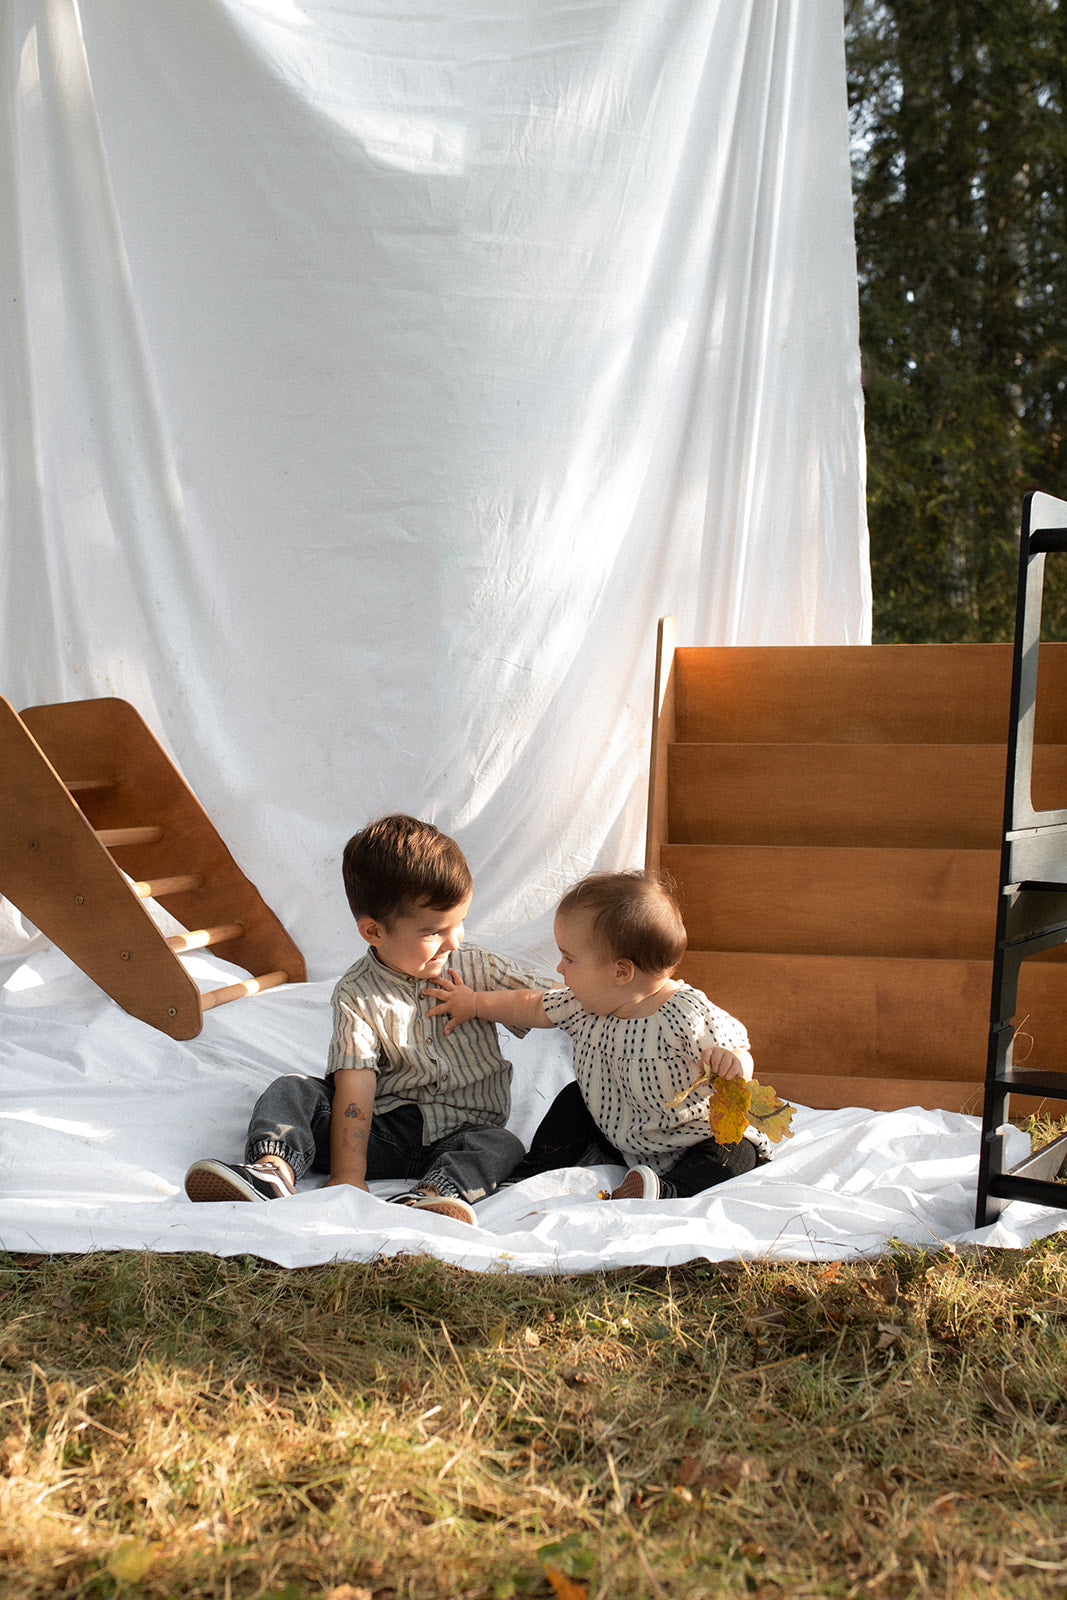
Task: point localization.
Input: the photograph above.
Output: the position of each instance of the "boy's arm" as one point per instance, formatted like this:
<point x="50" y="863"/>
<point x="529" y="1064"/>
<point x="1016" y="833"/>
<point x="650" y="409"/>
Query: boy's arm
<point x="515" y="1008"/>
<point x="353" y="1108"/>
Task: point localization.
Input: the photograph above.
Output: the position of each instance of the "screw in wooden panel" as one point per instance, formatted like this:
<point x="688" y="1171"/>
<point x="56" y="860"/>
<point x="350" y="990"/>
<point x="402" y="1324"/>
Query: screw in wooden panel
<point x="125" y="954"/>
<point x="33" y="844"/>
<point x="79" y="899"/>
<point x="172" y="1011"/>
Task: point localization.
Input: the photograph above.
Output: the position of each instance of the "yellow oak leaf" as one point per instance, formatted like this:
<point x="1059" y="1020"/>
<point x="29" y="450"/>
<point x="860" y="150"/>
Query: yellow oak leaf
<point x="771" y="1115"/>
<point x="735" y="1104"/>
<point x="728" y="1109"/>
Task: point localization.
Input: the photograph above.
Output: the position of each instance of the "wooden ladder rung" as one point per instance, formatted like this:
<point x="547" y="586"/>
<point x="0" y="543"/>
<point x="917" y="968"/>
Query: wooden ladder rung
<point x="88" y="785"/>
<point x="111" y="838"/>
<point x="238" y="991"/>
<point x="155" y="888"/>
<point x="200" y="938"/>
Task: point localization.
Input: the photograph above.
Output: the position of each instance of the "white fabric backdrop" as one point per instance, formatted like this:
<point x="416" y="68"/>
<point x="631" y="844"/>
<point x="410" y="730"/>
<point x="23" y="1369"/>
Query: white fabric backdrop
<point x="373" y="377"/>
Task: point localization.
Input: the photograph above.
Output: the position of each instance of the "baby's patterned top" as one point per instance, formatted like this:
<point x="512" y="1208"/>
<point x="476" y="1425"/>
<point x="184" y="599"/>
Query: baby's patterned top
<point x="628" y="1068"/>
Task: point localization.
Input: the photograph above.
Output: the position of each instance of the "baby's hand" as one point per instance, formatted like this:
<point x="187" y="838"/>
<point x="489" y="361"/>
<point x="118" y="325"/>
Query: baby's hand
<point x="720" y="1063"/>
<point x="454" y="1000"/>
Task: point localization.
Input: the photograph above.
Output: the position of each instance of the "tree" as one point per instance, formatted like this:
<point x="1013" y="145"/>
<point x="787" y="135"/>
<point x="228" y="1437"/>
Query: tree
<point x="960" y="182"/>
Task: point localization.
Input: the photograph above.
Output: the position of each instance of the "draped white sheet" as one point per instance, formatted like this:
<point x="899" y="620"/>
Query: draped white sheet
<point x="372" y="377"/>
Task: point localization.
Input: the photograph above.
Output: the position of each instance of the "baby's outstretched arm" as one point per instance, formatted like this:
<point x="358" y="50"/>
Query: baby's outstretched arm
<point x="516" y="1008"/>
<point x="719" y="1062"/>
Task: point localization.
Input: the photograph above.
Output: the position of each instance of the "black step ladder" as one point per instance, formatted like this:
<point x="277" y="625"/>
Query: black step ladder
<point x="1032" y="907"/>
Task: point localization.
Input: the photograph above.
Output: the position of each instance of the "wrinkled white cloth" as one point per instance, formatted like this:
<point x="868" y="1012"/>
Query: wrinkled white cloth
<point x="100" y="1115"/>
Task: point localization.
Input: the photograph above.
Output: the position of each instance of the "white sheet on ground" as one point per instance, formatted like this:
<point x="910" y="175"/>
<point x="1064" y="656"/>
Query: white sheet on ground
<point x="100" y="1116"/>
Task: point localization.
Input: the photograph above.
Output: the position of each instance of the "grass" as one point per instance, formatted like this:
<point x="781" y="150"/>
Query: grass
<point x="190" y="1426"/>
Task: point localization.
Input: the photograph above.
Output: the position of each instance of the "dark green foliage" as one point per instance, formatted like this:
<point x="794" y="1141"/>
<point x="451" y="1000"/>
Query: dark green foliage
<point x="960" y="180"/>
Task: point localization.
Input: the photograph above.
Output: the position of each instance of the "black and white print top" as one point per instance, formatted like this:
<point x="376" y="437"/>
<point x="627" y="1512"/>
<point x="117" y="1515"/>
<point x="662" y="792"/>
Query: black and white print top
<point x="628" y="1068"/>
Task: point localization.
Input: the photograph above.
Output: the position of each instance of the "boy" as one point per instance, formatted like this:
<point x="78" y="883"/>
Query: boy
<point x="400" y="1099"/>
<point x="640" y="1038"/>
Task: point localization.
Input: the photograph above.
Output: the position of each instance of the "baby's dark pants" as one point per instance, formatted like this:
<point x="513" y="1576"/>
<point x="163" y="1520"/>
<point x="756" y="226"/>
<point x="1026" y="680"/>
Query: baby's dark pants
<point x="568" y="1136"/>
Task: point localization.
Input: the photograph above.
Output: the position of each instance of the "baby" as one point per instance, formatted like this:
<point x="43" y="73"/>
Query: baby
<point x="640" y="1037"/>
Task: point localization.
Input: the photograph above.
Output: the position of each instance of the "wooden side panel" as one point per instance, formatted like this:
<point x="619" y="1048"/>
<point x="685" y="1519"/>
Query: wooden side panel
<point x="834" y="826"/>
<point x="107" y="739"/>
<point x="878" y="1018"/>
<point x="906" y="694"/>
<point x="840" y="794"/>
<point x="929" y="903"/>
<point x="894" y="1094"/>
<point x="663" y="735"/>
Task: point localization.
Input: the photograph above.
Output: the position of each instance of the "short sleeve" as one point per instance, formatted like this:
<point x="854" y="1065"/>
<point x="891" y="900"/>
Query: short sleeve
<point x="562" y="1009"/>
<point x="353" y="1042"/>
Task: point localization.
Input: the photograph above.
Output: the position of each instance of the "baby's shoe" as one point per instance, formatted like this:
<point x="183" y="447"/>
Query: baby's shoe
<point x="215" y="1180"/>
<point x="445" y="1205"/>
<point x="640" y="1183"/>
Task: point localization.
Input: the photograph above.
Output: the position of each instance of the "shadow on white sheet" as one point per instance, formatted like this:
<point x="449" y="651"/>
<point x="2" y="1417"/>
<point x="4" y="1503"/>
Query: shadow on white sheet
<point x="100" y="1116"/>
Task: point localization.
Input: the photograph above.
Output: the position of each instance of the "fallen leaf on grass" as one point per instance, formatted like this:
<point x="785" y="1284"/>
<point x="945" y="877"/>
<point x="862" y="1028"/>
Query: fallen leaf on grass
<point x="131" y="1561"/>
<point x="563" y="1586"/>
<point x="729" y="1471"/>
<point x="564" y="1562"/>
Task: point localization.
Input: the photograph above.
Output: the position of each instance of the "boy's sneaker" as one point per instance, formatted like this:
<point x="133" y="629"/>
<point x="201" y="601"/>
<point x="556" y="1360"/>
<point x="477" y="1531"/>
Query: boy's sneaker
<point x="640" y="1183"/>
<point x="445" y="1205"/>
<point x="214" y="1180"/>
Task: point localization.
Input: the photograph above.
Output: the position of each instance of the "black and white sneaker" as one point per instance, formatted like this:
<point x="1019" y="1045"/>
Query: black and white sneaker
<point x="445" y="1205"/>
<point x="215" y="1180"/>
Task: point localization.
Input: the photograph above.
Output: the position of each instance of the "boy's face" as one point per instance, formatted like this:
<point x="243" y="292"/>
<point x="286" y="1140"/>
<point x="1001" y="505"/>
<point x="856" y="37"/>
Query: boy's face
<point x="595" y="978"/>
<point x="418" y="943"/>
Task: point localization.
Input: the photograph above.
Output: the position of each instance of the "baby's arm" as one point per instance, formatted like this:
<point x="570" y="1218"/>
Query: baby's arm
<point x="718" y="1062"/>
<point x="353" y="1107"/>
<point x="515" y="1008"/>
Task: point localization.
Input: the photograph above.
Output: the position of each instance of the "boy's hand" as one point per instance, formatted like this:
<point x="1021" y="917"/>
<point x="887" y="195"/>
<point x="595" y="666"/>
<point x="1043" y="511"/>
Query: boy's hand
<point x="455" y="1000"/>
<point x="720" y="1063"/>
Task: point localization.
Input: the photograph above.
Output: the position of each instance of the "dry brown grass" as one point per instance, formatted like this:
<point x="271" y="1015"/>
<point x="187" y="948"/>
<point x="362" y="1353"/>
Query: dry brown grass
<point x="186" y="1426"/>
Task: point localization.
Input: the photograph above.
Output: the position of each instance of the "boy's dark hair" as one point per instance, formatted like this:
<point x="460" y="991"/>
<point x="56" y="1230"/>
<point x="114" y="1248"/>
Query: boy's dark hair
<point x="634" y="915"/>
<point x="397" y="863"/>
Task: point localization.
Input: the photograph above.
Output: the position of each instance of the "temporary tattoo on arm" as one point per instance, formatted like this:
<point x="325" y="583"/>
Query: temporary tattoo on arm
<point x="355" y="1139"/>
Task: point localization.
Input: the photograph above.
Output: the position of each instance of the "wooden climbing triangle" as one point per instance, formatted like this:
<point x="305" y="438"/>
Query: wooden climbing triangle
<point x="95" y="819"/>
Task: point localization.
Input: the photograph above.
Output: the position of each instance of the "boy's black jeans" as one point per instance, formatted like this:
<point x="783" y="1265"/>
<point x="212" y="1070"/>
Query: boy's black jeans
<point x="568" y="1136"/>
<point x="291" y="1119"/>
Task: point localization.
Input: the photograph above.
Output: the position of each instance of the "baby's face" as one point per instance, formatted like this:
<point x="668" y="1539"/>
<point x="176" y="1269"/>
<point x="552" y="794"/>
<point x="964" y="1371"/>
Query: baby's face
<point x="590" y="973"/>
<point x="420" y="942"/>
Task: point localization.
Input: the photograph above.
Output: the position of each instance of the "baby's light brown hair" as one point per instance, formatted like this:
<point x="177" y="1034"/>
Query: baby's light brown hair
<point x="633" y="917"/>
